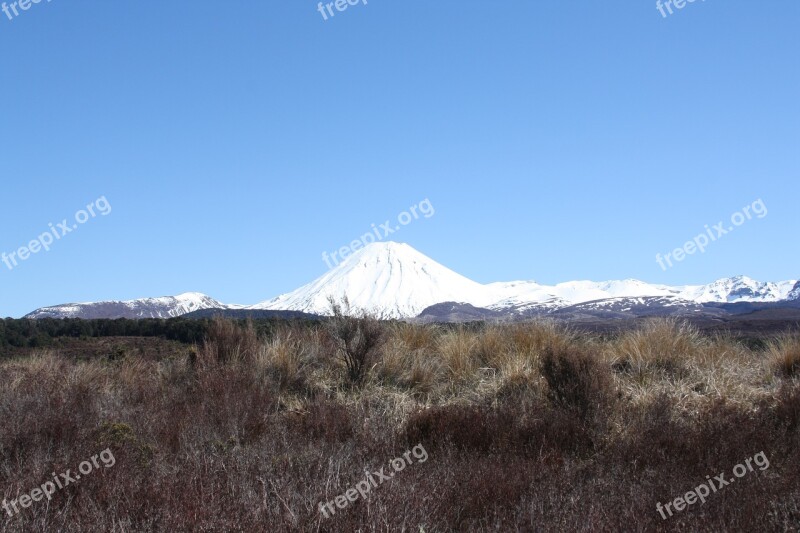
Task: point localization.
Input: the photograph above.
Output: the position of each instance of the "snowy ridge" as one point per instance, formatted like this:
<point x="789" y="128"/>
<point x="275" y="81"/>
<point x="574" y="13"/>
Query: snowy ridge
<point x="161" y="307"/>
<point x="794" y="294"/>
<point x="393" y="280"/>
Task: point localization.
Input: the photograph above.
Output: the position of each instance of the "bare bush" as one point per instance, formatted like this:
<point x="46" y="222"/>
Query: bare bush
<point x="577" y="381"/>
<point x="357" y="339"/>
<point x="237" y="446"/>
<point x="226" y="342"/>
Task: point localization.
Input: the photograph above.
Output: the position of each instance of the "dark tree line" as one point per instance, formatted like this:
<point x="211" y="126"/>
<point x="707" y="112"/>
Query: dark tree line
<point x="28" y="333"/>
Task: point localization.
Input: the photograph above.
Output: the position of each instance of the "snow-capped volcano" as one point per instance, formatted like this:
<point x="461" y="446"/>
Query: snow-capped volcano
<point x="393" y="280"/>
<point x="162" y="307"/>
<point x="387" y="279"/>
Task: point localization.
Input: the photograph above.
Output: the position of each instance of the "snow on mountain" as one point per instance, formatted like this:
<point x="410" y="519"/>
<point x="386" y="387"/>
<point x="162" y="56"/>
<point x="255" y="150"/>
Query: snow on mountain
<point x="388" y="279"/>
<point x="393" y="280"/>
<point x="730" y="290"/>
<point x="584" y="291"/>
<point x="529" y="296"/>
<point x="637" y="306"/>
<point x="162" y="307"/>
<point x="794" y="294"/>
<point x="737" y="289"/>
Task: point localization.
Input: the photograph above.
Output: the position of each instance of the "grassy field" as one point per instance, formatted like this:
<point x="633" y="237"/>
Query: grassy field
<point x="526" y="427"/>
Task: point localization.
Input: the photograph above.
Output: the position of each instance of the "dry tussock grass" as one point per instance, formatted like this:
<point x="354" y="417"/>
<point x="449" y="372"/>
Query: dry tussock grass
<point x="785" y="355"/>
<point x="259" y="430"/>
<point x="670" y="357"/>
<point x="457" y="348"/>
<point x="661" y="347"/>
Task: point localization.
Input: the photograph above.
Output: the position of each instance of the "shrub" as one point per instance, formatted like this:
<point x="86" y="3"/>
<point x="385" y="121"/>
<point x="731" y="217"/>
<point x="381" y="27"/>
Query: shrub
<point x="509" y="430"/>
<point x="323" y="420"/>
<point x="356" y="340"/>
<point x="227" y="341"/>
<point x="576" y="381"/>
<point x="463" y="427"/>
<point x="216" y="449"/>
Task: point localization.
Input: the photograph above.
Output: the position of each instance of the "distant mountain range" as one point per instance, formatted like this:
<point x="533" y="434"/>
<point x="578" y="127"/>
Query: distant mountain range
<point x="162" y="307"/>
<point x="394" y="281"/>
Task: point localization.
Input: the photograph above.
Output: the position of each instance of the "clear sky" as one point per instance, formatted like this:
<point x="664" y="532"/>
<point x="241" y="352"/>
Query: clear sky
<point x="237" y="141"/>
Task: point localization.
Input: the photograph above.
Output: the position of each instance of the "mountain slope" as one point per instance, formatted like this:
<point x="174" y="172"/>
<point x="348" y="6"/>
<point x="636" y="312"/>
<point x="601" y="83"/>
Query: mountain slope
<point x="393" y="280"/>
<point x="387" y="279"/>
<point x="794" y="294"/>
<point x="737" y="289"/>
<point x="163" y="307"/>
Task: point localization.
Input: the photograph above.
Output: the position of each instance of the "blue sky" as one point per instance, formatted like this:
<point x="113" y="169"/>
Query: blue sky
<point x="237" y="141"/>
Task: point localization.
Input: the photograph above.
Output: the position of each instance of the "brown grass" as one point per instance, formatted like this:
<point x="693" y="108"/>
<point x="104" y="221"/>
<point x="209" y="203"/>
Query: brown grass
<point x="528" y="426"/>
<point x="785" y="354"/>
<point x="660" y="347"/>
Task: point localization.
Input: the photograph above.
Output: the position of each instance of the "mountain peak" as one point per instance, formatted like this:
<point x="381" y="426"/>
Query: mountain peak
<point x="382" y="255"/>
<point x="387" y="245"/>
<point x="384" y="249"/>
<point x="160" y="307"/>
<point x="391" y="279"/>
<point x="387" y="279"/>
<point x="190" y="296"/>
